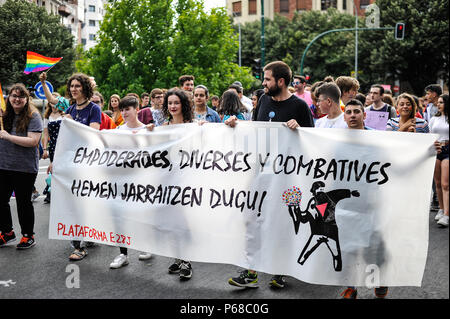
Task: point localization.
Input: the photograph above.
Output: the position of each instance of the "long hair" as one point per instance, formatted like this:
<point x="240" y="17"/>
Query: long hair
<point x="114" y="96"/>
<point x="444" y="97"/>
<point x="25" y="115"/>
<point x="411" y="100"/>
<point x="186" y="108"/>
<point x="230" y="104"/>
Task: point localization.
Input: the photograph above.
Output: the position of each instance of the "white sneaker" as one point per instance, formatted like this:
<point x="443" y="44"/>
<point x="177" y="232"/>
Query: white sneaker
<point x="119" y="261"/>
<point x="145" y="256"/>
<point x="443" y="221"/>
<point x="439" y="214"/>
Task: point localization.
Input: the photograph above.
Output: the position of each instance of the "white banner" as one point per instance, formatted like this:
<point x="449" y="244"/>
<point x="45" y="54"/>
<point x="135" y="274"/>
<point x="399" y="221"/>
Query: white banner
<point x="327" y="206"/>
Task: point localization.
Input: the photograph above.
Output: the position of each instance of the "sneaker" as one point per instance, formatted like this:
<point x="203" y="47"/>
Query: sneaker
<point x="119" y="261"/>
<point x="35" y="195"/>
<point x="349" y="293"/>
<point x="381" y="292"/>
<point x="246" y="279"/>
<point x="6" y="238"/>
<point x="439" y="214"/>
<point x="277" y="281"/>
<point x="47" y="199"/>
<point x="186" y="270"/>
<point x="175" y="267"/>
<point x="145" y="256"/>
<point x="26" y="242"/>
<point x="443" y="221"/>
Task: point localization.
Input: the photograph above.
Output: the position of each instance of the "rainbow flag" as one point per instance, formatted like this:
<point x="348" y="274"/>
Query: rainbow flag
<point x="37" y="62"/>
<point x="2" y="100"/>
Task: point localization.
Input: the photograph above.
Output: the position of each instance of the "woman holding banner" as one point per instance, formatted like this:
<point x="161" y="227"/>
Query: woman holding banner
<point x="80" y="90"/>
<point x="19" y="164"/>
<point x="177" y="110"/>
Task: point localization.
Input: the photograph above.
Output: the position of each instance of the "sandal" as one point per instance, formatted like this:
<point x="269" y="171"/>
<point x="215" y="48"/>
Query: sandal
<point x="78" y="254"/>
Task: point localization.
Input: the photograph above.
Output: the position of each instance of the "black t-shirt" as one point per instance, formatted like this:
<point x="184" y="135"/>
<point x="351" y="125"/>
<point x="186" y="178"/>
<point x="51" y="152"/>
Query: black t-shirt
<point x="292" y="108"/>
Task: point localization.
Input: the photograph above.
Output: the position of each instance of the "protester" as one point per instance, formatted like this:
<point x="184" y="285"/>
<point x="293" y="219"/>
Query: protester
<point x="407" y="122"/>
<point x="329" y="98"/>
<point x="107" y="122"/>
<point x="186" y="82"/>
<point x="128" y="107"/>
<point x="277" y="105"/>
<point x="113" y="105"/>
<point x="157" y="98"/>
<point x="349" y="88"/>
<point x="376" y="95"/>
<point x="439" y="125"/>
<point x="299" y="84"/>
<point x="231" y="105"/>
<point x="255" y="98"/>
<point x="177" y="109"/>
<point x="19" y="164"/>
<point x="354" y="116"/>
<point x="79" y="89"/>
<point x="202" y="112"/>
<point x="432" y="91"/>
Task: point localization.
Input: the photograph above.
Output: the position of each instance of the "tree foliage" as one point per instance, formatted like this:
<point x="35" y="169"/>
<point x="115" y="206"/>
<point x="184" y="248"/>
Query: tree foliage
<point x="418" y="60"/>
<point x="145" y="44"/>
<point x="27" y="27"/>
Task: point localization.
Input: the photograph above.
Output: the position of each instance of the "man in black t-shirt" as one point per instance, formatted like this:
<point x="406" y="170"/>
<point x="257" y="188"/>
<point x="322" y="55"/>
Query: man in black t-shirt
<point x="277" y="99"/>
<point x="277" y="105"/>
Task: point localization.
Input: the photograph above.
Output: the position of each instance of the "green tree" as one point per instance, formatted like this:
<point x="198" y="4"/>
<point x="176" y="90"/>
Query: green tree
<point x="150" y="43"/>
<point x="286" y="40"/>
<point x="423" y="55"/>
<point x="27" y="27"/>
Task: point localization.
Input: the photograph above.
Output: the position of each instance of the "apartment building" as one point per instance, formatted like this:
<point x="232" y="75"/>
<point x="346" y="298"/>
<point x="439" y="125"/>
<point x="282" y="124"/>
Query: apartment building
<point x="250" y="10"/>
<point x="81" y="17"/>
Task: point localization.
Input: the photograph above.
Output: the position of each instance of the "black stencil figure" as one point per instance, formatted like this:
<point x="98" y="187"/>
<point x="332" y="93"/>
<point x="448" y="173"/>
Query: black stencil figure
<point x="322" y="221"/>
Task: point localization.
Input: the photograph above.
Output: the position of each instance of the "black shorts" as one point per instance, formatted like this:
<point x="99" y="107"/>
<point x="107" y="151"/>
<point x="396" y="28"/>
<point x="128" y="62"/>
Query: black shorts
<point x="444" y="154"/>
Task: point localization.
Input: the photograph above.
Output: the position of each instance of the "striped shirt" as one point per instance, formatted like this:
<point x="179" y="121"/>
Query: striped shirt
<point x="421" y="125"/>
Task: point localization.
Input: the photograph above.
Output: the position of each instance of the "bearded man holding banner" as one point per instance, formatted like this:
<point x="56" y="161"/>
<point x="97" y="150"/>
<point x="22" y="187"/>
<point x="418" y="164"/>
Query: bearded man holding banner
<point x="279" y="105"/>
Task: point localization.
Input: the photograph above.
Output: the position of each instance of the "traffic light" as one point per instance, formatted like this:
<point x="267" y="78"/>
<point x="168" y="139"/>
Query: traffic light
<point x="258" y="69"/>
<point x="399" y="31"/>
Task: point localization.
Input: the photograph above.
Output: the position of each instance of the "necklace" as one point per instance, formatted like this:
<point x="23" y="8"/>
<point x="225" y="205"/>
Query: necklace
<point x="81" y="104"/>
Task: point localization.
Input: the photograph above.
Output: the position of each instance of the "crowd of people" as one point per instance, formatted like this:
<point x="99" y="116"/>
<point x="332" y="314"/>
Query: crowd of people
<point x="329" y="103"/>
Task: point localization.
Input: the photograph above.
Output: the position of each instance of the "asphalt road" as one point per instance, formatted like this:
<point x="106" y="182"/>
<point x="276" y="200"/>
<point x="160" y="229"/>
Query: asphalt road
<point x="44" y="272"/>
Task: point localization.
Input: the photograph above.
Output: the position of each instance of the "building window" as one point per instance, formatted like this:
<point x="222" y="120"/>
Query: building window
<point x="325" y="4"/>
<point x="284" y="6"/>
<point x="237" y="8"/>
<point x="91" y="37"/>
<point x="364" y="3"/>
<point x="251" y="7"/>
<point x="83" y="41"/>
<point x="91" y="8"/>
<point x="344" y="5"/>
<point x="92" y="23"/>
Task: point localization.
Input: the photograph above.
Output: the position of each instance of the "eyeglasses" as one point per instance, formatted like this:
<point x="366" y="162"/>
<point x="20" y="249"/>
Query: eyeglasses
<point x="18" y="96"/>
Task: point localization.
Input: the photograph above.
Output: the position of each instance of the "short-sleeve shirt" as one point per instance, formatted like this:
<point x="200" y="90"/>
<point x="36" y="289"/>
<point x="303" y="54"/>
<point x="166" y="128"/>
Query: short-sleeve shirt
<point x="292" y="108"/>
<point x="421" y="125"/>
<point x="337" y="122"/>
<point x="17" y="158"/>
<point x="90" y="114"/>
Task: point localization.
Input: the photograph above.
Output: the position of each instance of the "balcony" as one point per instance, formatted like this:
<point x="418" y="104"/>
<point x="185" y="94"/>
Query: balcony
<point x="65" y="10"/>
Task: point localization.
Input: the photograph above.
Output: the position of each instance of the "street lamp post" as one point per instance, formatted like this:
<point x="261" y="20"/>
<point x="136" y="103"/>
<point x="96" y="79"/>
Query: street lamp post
<point x="239" y="28"/>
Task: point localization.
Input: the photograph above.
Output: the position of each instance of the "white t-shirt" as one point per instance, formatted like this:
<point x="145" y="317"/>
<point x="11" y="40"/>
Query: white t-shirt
<point x="134" y="130"/>
<point x="439" y="125"/>
<point x="337" y="122"/>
